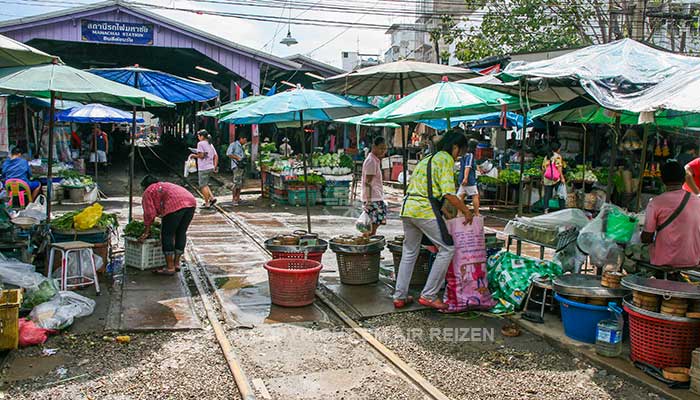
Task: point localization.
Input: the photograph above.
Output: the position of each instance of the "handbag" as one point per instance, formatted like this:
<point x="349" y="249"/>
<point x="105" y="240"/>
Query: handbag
<point x="551" y="172"/>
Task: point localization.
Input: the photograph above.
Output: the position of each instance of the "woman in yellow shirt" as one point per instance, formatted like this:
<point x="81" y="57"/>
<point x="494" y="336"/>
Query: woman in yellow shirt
<point x="421" y="215"/>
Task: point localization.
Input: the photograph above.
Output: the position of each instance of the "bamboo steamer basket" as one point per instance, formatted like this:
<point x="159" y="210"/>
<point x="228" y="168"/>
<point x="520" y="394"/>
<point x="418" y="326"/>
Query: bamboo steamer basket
<point x="646" y="301"/>
<point x="611" y="280"/>
<point x="676" y="374"/>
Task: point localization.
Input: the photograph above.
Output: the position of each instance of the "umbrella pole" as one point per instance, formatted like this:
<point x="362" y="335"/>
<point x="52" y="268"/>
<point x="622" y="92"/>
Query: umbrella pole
<point x="26" y="128"/>
<point x="404" y="139"/>
<point x="49" y="170"/>
<point x="642" y="168"/>
<point x="613" y="158"/>
<point x="131" y="163"/>
<point x="522" y="165"/>
<point x="306" y="180"/>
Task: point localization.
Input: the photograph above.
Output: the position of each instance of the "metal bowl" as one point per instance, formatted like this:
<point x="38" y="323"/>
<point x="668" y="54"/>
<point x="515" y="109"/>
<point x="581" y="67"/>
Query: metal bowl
<point x="662" y="287"/>
<point x="319" y="248"/>
<point x="25" y="222"/>
<point x="374" y="247"/>
<point x="581" y="285"/>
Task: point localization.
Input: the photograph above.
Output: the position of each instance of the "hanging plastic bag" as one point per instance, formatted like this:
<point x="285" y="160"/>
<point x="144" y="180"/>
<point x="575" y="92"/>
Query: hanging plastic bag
<point x="60" y="312"/>
<point x="561" y="192"/>
<point x="620" y="226"/>
<point x="88" y="218"/>
<point x="364" y="223"/>
<point x="190" y="166"/>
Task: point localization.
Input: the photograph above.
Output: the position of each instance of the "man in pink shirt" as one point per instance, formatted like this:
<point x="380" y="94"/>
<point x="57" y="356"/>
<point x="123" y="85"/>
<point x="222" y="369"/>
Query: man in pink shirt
<point x="373" y="186"/>
<point x="175" y="206"/>
<point x="672" y="222"/>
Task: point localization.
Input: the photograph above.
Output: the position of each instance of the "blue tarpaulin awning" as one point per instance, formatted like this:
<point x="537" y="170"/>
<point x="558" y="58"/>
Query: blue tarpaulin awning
<point x="487" y="120"/>
<point x="170" y="87"/>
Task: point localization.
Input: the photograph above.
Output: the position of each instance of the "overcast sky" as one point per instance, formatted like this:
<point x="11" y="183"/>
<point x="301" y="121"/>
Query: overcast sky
<point x="317" y="42"/>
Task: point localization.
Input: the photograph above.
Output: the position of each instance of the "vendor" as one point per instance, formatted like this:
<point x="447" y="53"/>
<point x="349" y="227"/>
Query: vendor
<point x="286" y="149"/>
<point x="672" y="222"/>
<point x="421" y="215"/>
<point x="17" y="167"/>
<point x="689" y="152"/>
<point x="552" y="174"/>
<point x="373" y="186"/>
<point x="175" y="206"/>
<point x="99" y="145"/>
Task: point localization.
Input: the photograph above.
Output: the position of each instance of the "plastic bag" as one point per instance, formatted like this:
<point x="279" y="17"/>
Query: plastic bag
<point x="190" y="166"/>
<point x="30" y="334"/>
<point x="19" y="274"/>
<point x="41" y="293"/>
<point x="60" y="312"/>
<point x="73" y="268"/>
<point x="561" y="192"/>
<point x="570" y="217"/>
<point x="88" y="218"/>
<point x="570" y="258"/>
<point x="35" y="209"/>
<point x="467" y="287"/>
<point x="363" y="222"/>
<point x="620" y="226"/>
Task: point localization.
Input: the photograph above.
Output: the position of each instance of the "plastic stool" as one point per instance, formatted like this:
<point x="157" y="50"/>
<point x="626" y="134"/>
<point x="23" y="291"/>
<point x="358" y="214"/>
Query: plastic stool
<point x="75" y="249"/>
<point x="543" y="298"/>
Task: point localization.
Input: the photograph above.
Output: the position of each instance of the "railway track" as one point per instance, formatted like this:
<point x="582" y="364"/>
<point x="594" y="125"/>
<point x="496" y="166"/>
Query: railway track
<point x="210" y="237"/>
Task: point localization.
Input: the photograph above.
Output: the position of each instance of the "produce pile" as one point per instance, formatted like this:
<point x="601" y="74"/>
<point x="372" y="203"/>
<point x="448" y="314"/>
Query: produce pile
<point x="312" y="179"/>
<point x="577" y="175"/>
<point x="84" y="219"/>
<point x="509" y="176"/>
<point x="74" y="179"/>
<point x="135" y="229"/>
<point x="332" y="164"/>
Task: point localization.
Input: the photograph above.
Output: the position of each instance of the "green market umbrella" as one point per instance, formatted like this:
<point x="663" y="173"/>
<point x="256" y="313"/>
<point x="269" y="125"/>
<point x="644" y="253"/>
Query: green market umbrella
<point x="438" y="101"/>
<point x="59" y="80"/>
<point x="18" y="54"/>
<point x="230" y="108"/>
<point x="442" y="100"/>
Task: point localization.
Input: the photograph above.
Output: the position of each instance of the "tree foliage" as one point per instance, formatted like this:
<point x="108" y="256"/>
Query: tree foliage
<point x="515" y="26"/>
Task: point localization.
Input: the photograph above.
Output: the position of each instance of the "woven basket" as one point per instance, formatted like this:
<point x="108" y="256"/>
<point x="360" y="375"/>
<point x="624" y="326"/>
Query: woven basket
<point x="420" y="271"/>
<point x="358" y="268"/>
<point x="572" y="200"/>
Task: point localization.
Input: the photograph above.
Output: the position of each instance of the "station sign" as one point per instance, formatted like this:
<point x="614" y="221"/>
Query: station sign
<point x="117" y="32"/>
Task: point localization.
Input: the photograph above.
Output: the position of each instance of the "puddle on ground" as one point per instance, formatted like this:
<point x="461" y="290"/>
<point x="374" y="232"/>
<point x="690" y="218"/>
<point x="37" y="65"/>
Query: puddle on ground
<point x="232" y="282"/>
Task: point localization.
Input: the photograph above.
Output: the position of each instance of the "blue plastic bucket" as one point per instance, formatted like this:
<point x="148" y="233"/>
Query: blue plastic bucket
<point x="580" y="320"/>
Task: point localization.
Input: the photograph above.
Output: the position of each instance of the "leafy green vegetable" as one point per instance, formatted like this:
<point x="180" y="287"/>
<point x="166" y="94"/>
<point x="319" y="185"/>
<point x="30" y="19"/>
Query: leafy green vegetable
<point x="108" y="221"/>
<point x="509" y="176"/>
<point x="578" y="174"/>
<point x="65" y="221"/>
<point x="487" y="180"/>
<point x="268" y="148"/>
<point x="533" y="172"/>
<point x="346" y="161"/>
<point x="313" y="179"/>
<point x="136" y="228"/>
<point x="44" y="292"/>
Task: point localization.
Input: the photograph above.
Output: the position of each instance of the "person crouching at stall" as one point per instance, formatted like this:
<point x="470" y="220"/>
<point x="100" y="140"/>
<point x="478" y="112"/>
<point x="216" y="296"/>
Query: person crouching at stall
<point x="672" y="222"/>
<point x="175" y="206"/>
<point x="431" y="184"/>
<point x="17" y="167"/>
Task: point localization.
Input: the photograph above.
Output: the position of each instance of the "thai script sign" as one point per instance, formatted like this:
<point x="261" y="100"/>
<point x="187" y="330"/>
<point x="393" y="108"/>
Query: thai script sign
<point x="117" y="32"/>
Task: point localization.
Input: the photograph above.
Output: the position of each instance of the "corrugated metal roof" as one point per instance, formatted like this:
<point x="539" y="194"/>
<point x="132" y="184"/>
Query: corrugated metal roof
<point x="235" y="47"/>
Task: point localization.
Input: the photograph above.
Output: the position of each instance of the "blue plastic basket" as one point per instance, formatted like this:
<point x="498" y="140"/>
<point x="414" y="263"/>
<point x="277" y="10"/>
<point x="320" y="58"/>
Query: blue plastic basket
<point x="580" y="320"/>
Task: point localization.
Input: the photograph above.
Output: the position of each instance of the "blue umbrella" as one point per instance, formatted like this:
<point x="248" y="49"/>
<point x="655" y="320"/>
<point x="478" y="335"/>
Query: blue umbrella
<point x="164" y="85"/>
<point x="488" y="120"/>
<point x="95" y="113"/>
<point x="298" y="105"/>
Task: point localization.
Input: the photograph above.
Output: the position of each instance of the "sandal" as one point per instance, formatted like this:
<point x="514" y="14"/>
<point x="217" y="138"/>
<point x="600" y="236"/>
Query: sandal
<point x="164" y="271"/>
<point x="401" y="303"/>
<point x="436" y="304"/>
<point x="212" y="203"/>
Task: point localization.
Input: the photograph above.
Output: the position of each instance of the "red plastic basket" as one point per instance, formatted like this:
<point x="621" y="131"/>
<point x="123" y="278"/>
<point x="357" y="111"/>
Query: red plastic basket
<point x="317" y="256"/>
<point x="662" y="343"/>
<point x="293" y="281"/>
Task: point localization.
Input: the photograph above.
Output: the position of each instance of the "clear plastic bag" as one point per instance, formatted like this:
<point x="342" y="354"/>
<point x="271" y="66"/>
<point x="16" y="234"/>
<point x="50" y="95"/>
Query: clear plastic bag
<point x="73" y="268"/>
<point x="19" y="274"/>
<point x="35" y="209"/>
<point x="570" y="258"/>
<point x="363" y="222"/>
<point x="561" y="192"/>
<point x="60" y="312"/>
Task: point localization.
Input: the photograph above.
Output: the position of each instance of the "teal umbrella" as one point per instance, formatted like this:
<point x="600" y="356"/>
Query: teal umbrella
<point x="229" y="108"/>
<point x="299" y="105"/>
